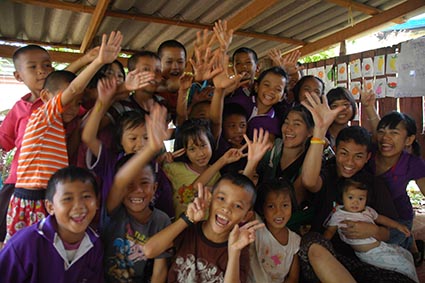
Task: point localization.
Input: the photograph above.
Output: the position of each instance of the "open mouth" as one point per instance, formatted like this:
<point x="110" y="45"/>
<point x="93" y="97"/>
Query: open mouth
<point x="79" y="218"/>
<point x="221" y="220"/>
<point x="137" y="200"/>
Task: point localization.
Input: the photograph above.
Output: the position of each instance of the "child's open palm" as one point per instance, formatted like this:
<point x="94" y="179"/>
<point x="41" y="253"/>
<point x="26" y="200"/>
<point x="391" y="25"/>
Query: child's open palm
<point x="240" y="237"/>
<point x="106" y="88"/>
<point x="110" y="47"/>
<point x="259" y="144"/>
<point x="156" y="127"/>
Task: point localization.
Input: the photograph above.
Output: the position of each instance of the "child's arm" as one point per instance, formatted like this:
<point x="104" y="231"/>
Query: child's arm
<point x="239" y="238"/>
<point x="106" y="89"/>
<point x="256" y="150"/>
<point x="108" y="52"/>
<point x="294" y="272"/>
<point x="181" y="107"/>
<point x="368" y="100"/>
<point x="195" y="212"/>
<point x="330" y="232"/>
<point x="83" y="60"/>
<point x="160" y="270"/>
<point x="388" y="222"/>
<point x="157" y="132"/>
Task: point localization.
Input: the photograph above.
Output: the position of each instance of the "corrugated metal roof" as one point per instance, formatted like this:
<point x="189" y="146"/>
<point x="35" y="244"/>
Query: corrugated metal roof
<point x="304" y="20"/>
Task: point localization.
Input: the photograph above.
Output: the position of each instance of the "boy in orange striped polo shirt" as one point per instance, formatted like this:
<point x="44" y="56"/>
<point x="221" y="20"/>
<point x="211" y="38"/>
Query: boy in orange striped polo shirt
<point x="44" y="149"/>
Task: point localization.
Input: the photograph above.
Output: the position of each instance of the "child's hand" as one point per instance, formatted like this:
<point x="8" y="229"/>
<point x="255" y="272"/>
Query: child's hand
<point x="367" y="98"/>
<point x="207" y="65"/>
<point x="403" y="229"/>
<point x="233" y="155"/>
<point x="110" y="47"/>
<point x="136" y="80"/>
<point x="156" y="126"/>
<point x="106" y="89"/>
<point x="92" y="54"/>
<point x="196" y="210"/>
<point x="223" y="35"/>
<point x="185" y="81"/>
<point x="241" y="237"/>
<point x="223" y="80"/>
<point x="169" y="157"/>
<point x="259" y="144"/>
<point x="288" y="63"/>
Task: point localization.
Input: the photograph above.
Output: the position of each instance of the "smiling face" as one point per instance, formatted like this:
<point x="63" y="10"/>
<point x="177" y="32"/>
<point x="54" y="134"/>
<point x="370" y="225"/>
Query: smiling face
<point x="294" y="130"/>
<point x="234" y="127"/>
<point x="74" y="207"/>
<point x="173" y="62"/>
<point x="277" y="210"/>
<point x="199" y="152"/>
<point x="230" y="205"/>
<point x="391" y="142"/>
<point x="140" y="194"/>
<point x="244" y="62"/>
<point x="354" y="199"/>
<point x="270" y="90"/>
<point x="114" y="71"/>
<point x="134" y="139"/>
<point x="345" y="115"/>
<point x="312" y="86"/>
<point x="350" y="158"/>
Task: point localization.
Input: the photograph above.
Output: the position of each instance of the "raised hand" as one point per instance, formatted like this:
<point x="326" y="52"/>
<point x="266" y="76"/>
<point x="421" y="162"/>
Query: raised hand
<point x="106" y="89"/>
<point x="223" y="35"/>
<point x="240" y="237"/>
<point x="223" y="80"/>
<point x="196" y="210"/>
<point x="367" y="98"/>
<point x="186" y="80"/>
<point x="92" y="54"/>
<point x="233" y="155"/>
<point x="156" y="126"/>
<point x="288" y="63"/>
<point x="136" y="79"/>
<point x="110" y="47"/>
<point x="259" y="144"/>
<point x="207" y="65"/>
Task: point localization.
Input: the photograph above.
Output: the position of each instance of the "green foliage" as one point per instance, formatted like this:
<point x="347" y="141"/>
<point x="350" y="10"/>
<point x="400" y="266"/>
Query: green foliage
<point x="323" y="55"/>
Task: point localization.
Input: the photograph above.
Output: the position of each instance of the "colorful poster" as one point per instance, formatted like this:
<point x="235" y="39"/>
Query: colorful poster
<point x="355" y="88"/>
<point x="355" y="69"/>
<point x="379" y="65"/>
<point x="380" y="87"/>
<point x="391" y="86"/>
<point x="391" y="64"/>
<point x="320" y="72"/>
<point x="341" y="85"/>
<point x="368" y="84"/>
<point x="311" y="72"/>
<point x="342" y="72"/>
<point x="367" y="67"/>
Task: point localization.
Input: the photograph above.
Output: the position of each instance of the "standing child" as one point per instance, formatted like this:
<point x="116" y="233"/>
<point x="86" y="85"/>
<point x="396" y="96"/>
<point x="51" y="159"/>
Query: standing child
<point x="370" y="250"/>
<point x="61" y="247"/>
<point x="32" y="65"/>
<point x="273" y="256"/>
<point x="133" y="220"/>
<point x="44" y="149"/>
<point x="211" y="250"/>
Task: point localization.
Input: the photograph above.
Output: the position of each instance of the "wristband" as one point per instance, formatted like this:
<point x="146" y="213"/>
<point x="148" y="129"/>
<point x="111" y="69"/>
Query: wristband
<point x="317" y="141"/>
<point x="186" y="219"/>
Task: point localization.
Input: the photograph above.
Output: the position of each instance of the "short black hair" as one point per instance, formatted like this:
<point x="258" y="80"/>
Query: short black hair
<point x="245" y="50"/>
<point x="358" y="180"/>
<point x="280" y="185"/>
<point x="299" y="84"/>
<point x="102" y="73"/>
<point x="172" y="44"/>
<point x="31" y="47"/>
<point x="274" y="70"/>
<point x="123" y="160"/>
<point x="305" y="114"/>
<point x="357" y="134"/>
<point x="132" y="61"/>
<point x="69" y="174"/>
<point x="55" y="80"/>
<point x="234" y="109"/>
<point x="341" y="93"/>
<point x="128" y="120"/>
<point x="240" y="181"/>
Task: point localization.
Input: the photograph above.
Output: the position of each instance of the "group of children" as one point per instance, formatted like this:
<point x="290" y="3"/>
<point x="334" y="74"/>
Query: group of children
<point x="231" y="202"/>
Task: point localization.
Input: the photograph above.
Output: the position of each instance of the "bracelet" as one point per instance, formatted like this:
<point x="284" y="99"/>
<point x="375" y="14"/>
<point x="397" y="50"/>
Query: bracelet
<point x="317" y="141"/>
<point x="186" y="219"/>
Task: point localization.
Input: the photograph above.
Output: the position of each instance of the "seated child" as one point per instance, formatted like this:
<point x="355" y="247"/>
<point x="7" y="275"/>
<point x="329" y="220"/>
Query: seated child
<point x="133" y="220"/>
<point x="61" y="247"/>
<point x="273" y="256"/>
<point x="211" y="250"/>
<point x="354" y="196"/>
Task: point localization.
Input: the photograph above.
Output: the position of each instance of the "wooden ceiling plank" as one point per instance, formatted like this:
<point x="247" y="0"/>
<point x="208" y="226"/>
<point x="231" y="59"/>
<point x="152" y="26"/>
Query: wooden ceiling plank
<point x="361" y="27"/>
<point x="96" y="20"/>
<point x="248" y="13"/>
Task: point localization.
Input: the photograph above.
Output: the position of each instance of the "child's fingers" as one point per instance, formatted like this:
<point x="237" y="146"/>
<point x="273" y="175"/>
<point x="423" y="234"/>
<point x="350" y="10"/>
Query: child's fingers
<point x="245" y="146"/>
<point x="178" y="153"/>
<point x="200" y="191"/>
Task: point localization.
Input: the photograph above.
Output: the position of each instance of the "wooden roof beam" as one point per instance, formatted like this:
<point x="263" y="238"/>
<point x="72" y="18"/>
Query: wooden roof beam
<point x="254" y="9"/>
<point x="361" y="27"/>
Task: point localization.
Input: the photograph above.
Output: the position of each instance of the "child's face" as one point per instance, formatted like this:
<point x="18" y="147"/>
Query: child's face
<point x="199" y="152"/>
<point x="234" y="127"/>
<point x="312" y="86"/>
<point x="32" y="68"/>
<point x="230" y="205"/>
<point x="72" y="109"/>
<point x="391" y="142"/>
<point x="153" y="65"/>
<point x="74" y="207"/>
<point x="173" y="62"/>
<point x="134" y="139"/>
<point x="354" y="199"/>
<point x="140" y="193"/>
<point x="270" y="89"/>
<point x="344" y="116"/>
<point x="245" y="63"/>
<point x="350" y="158"/>
<point x="277" y="210"/>
<point x="200" y="111"/>
<point x="294" y="130"/>
<point x="115" y="71"/>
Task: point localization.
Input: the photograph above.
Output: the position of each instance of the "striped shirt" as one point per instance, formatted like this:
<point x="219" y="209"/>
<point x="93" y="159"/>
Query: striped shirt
<point x="43" y="149"/>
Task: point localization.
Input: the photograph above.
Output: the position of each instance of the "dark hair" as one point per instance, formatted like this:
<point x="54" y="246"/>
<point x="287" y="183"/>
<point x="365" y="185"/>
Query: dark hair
<point x="198" y="104"/>
<point x="31" y="47"/>
<point x="357" y="134"/>
<point x="55" y="79"/>
<point x="305" y="114"/>
<point x="123" y="160"/>
<point x="280" y="185"/>
<point x="132" y="62"/>
<point x="245" y="50"/>
<point x="102" y="73"/>
<point x="192" y="129"/>
<point x="392" y="119"/>
<point x="341" y="93"/>
<point x="171" y="44"/>
<point x="128" y="120"/>
<point x="274" y="70"/>
<point x="359" y="181"/>
<point x="234" y="109"/>
<point x="299" y="84"/>
<point x="69" y="174"/>
<point x="240" y="181"/>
